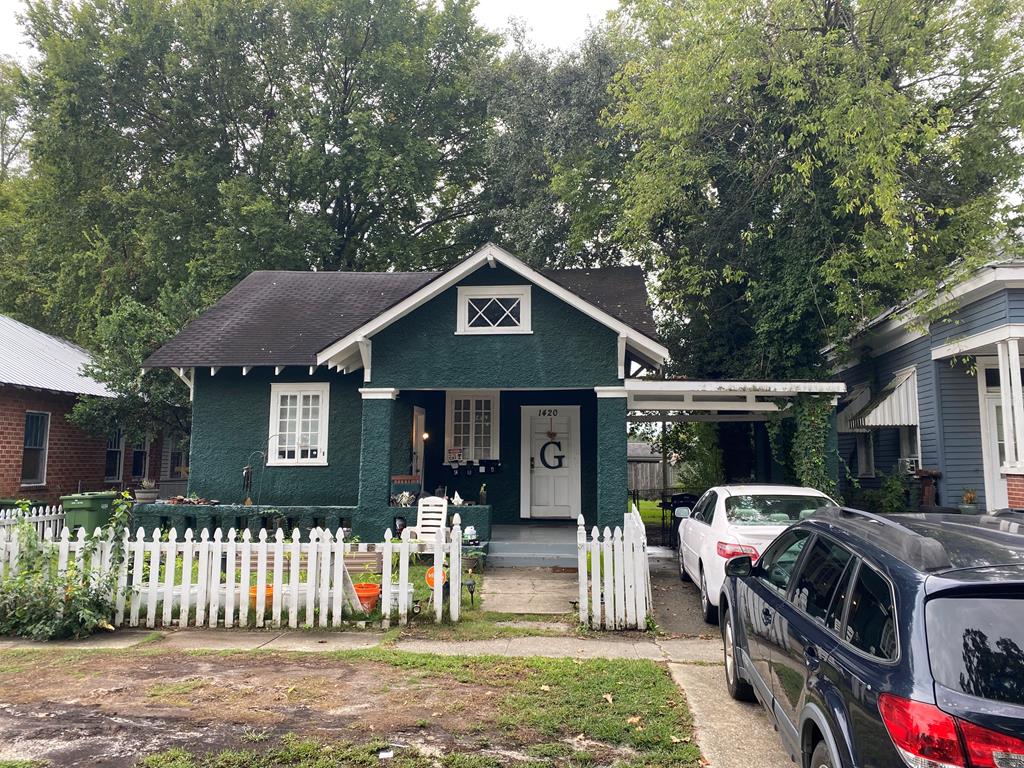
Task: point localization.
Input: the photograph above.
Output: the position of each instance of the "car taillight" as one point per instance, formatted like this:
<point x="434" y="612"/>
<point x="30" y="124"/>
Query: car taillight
<point x="991" y="749"/>
<point x="727" y="550"/>
<point x="925" y="736"/>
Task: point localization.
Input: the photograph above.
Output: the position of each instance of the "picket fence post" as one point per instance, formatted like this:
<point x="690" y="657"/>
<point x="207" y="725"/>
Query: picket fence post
<point x="581" y="567"/>
<point x="385" y="580"/>
<point x="455" y="588"/>
<point x="403" y="577"/>
<point x="293" y="579"/>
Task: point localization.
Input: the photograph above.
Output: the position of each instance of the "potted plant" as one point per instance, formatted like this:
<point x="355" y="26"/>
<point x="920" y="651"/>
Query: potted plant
<point x="367" y="591"/>
<point x="473" y="559"/>
<point x="146" y="493"/>
<point x="969" y="502"/>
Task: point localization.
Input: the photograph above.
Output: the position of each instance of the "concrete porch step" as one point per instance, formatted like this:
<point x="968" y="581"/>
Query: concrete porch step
<point x="531" y="560"/>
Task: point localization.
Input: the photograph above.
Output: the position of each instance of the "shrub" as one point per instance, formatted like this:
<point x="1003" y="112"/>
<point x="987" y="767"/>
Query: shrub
<point x="39" y="603"/>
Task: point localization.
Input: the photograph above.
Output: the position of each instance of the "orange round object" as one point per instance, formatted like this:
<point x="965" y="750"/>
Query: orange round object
<point x="430" y="577"/>
<point x="368" y="595"/>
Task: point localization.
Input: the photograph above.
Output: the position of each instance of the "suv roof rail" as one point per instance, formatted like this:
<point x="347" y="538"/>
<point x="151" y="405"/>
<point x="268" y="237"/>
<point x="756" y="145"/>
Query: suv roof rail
<point x="915" y="549"/>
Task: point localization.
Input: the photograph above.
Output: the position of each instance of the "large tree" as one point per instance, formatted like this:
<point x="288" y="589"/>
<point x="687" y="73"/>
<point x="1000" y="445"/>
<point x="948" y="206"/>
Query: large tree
<point x="178" y="145"/>
<point x="800" y="165"/>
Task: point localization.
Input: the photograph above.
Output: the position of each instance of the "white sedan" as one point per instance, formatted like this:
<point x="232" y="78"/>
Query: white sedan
<point x="733" y="520"/>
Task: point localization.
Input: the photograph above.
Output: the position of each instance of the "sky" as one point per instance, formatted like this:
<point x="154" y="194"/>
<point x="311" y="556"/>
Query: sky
<point x="552" y="23"/>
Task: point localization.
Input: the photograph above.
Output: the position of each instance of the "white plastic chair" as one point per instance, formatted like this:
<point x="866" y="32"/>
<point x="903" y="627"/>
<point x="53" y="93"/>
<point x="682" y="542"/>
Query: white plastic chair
<point x="431" y="516"/>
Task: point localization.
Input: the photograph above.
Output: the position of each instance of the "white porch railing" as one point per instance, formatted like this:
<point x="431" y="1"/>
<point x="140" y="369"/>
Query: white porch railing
<point x="614" y="575"/>
<point x="46" y="520"/>
<point x="208" y="581"/>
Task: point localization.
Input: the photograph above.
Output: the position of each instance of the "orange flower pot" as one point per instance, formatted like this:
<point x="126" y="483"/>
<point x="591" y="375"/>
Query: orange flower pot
<point x="368" y="595"/>
<point x="268" y="593"/>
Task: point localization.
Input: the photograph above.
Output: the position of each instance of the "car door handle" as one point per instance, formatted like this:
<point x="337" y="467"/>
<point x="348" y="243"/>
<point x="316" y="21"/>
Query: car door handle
<point x="767" y="616"/>
<point x="811" y="658"/>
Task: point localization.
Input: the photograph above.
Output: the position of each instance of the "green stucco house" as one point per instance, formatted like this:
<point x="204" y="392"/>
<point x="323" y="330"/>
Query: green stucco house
<point x="340" y="390"/>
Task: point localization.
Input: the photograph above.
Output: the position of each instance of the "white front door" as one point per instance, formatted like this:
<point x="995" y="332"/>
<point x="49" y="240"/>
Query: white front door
<point x="550" y="479"/>
<point x="994" y="454"/>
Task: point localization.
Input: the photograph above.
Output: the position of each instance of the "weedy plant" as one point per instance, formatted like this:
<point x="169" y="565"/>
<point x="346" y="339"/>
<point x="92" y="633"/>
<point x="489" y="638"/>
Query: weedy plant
<point x="39" y="602"/>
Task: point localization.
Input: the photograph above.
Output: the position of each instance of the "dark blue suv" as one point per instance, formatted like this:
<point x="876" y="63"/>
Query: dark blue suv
<point x="878" y="642"/>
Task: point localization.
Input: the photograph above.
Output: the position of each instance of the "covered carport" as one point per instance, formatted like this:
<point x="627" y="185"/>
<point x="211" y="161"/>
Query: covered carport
<point x="667" y="401"/>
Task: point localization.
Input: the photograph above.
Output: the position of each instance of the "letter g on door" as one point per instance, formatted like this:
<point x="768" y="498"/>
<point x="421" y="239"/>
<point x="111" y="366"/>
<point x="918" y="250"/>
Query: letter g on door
<point x="559" y="458"/>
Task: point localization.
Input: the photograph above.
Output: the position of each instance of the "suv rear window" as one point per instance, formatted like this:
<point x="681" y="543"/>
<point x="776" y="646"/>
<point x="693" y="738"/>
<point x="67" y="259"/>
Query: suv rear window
<point x="976" y="646"/>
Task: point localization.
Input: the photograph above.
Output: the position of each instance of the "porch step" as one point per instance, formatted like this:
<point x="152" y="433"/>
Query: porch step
<point x="528" y="560"/>
<point x="556" y="554"/>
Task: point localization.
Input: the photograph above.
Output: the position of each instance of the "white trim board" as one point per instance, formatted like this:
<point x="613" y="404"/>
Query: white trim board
<point x="490" y="254"/>
<point x="967" y="344"/>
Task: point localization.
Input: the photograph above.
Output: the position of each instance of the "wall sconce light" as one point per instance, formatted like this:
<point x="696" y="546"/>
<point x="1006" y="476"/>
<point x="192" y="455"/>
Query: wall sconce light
<point x="426" y="435"/>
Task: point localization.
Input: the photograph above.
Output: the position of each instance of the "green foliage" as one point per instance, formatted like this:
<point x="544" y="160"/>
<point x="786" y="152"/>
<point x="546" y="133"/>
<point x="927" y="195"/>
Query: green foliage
<point x="890" y="498"/>
<point x="39" y="603"/>
<point x="700" y="464"/>
<point x="811" y="453"/>
<point x="801" y="166"/>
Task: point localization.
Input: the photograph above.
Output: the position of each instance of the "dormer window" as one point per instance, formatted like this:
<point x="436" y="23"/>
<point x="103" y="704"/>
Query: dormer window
<point x="494" y="309"/>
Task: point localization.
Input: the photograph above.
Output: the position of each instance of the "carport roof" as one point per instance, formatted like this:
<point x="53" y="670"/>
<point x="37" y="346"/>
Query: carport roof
<point x="737" y="399"/>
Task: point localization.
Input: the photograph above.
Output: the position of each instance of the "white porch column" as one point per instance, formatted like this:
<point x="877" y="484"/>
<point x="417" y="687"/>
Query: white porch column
<point x="1007" y="401"/>
<point x="1013" y="350"/>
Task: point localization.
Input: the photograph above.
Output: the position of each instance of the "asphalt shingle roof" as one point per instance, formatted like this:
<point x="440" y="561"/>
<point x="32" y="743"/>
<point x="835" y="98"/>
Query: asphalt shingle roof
<point x="33" y="359"/>
<point x="286" y="318"/>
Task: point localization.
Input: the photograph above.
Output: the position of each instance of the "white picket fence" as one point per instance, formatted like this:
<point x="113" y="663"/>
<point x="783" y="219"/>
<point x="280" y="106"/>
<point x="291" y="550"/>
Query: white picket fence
<point x="615" y="590"/>
<point x="308" y="582"/>
<point x="43" y="519"/>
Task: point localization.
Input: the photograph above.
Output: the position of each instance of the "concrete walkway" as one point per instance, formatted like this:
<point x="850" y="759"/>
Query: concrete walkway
<point x="529" y="590"/>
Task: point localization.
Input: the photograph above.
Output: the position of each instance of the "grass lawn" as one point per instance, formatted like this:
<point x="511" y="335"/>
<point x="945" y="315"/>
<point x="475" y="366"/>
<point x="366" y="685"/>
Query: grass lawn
<point x="264" y="709"/>
<point x="650" y="511"/>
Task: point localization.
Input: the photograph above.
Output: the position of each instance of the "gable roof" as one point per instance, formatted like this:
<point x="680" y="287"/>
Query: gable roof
<point x="36" y="360"/>
<point x="294" y="318"/>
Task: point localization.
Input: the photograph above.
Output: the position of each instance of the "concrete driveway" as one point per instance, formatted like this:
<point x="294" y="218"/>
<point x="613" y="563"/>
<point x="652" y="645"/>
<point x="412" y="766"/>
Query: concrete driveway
<point x="731" y="734"/>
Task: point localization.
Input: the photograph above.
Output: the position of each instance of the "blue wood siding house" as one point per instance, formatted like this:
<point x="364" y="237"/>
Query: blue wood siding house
<point x="941" y="399"/>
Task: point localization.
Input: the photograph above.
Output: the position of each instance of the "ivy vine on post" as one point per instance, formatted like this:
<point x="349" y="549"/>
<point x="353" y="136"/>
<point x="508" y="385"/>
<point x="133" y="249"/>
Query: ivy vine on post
<point x="810" y="450"/>
<point x="804" y="448"/>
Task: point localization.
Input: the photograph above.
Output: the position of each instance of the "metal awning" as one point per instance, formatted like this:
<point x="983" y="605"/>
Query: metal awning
<point x="895" y="405"/>
<point x="713" y="400"/>
<point x="851" y="406"/>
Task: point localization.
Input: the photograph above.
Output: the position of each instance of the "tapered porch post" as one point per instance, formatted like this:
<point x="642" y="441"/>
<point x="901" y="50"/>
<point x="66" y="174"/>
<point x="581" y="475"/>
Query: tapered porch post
<point x="375" y="460"/>
<point x="612" y="471"/>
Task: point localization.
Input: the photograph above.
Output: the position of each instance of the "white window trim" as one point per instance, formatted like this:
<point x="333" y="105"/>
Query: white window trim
<point x="865" y="454"/>
<point x="276" y="390"/>
<point x="46" y="449"/>
<point x="449" y="413"/>
<point x="120" y="464"/>
<point x="169" y="440"/>
<point x="467" y="292"/>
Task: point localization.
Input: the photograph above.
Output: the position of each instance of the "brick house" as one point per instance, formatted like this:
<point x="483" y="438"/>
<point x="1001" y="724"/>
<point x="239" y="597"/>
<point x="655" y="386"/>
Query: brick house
<point x="43" y="455"/>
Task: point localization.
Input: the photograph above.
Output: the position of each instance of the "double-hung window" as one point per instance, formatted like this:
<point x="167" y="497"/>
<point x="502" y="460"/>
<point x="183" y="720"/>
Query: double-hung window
<point x="472" y="426"/>
<point x="140" y="459"/>
<point x="115" y="457"/>
<point x="176" y="457"/>
<point x="494" y="309"/>
<point x="298" y="424"/>
<point x="33" y="456"/>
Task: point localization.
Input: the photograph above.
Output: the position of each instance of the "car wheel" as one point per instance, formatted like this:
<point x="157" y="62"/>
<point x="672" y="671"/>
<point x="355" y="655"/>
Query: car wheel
<point x="738" y="689"/>
<point x="683" y="575"/>
<point x="706" y="608"/>
<point x="821" y="757"/>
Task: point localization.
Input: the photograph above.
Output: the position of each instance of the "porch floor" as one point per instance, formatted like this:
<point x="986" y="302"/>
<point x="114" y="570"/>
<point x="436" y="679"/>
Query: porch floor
<point x="536" y="545"/>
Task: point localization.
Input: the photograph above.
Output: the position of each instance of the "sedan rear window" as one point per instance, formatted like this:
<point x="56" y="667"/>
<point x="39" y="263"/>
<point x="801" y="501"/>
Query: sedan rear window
<point x="772" y="509"/>
<point x="976" y="645"/>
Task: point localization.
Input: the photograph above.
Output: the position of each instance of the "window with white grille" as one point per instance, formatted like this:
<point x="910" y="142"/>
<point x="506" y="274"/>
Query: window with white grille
<point x="472" y="421"/>
<point x="298" y="424"/>
<point x="494" y="309"/>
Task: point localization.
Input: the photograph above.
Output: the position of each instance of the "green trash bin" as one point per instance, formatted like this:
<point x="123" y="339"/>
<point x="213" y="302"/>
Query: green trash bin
<point x="87" y="510"/>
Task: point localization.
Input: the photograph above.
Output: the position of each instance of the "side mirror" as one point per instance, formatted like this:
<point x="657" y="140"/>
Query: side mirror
<point x="739" y="566"/>
<point x="682" y="512"/>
